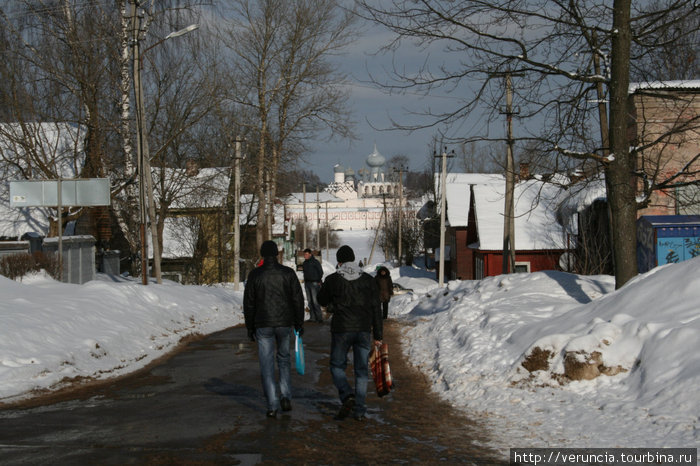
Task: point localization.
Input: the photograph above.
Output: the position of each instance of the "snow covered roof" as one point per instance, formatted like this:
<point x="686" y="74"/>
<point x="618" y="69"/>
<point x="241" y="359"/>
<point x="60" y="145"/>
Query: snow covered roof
<point x="536" y="225"/>
<point x="205" y="189"/>
<point x="576" y="199"/>
<point x="545" y="212"/>
<point x="459" y="194"/>
<point x="689" y="84"/>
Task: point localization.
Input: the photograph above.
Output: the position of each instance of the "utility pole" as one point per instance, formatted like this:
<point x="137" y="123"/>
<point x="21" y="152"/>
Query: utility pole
<point x="509" y="208"/>
<point x="318" y="221"/>
<point x="400" y="171"/>
<point x="443" y="195"/>
<point x="328" y="227"/>
<point x="146" y="192"/>
<point x="136" y="24"/>
<point x="379" y="227"/>
<point x="146" y="196"/>
<point x="237" y="213"/>
<point x="303" y="241"/>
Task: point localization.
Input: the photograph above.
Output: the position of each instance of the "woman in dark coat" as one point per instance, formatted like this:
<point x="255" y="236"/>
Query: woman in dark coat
<point x="386" y="288"/>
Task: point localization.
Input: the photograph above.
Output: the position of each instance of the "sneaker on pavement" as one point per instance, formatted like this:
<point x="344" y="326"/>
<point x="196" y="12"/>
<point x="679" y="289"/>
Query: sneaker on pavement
<point x="272" y="413"/>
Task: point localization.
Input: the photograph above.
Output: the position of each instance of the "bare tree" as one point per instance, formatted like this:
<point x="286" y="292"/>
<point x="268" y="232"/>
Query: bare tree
<point x="67" y="48"/>
<point x="670" y="51"/>
<point x="555" y="48"/>
<point x="411" y="236"/>
<point x="283" y="79"/>
<point x="79" y="55"/>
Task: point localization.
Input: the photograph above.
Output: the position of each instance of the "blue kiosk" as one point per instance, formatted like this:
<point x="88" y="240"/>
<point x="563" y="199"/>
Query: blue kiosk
<point x="665" y="239"/>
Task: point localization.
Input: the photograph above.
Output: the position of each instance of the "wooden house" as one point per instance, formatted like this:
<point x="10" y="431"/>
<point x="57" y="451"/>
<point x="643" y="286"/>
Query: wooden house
<point x="475" y="205"/>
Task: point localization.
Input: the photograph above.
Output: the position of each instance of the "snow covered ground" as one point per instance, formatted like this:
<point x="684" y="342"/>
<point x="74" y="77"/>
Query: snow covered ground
<point x="469" y="338"/>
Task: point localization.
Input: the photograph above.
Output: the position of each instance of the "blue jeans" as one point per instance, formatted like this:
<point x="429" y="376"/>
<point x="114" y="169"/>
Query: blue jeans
<point x="340" y="344"/>
<point x="311" y="294"/>
<point x="268" y="338"/>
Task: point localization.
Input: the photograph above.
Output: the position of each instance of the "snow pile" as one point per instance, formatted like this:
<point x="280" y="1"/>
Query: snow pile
<point x="53" y="331"/>
<point x="472" y="338"/>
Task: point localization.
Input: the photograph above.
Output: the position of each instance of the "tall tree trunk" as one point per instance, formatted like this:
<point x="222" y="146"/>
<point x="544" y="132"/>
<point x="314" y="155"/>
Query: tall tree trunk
<point x="619" y="172"/>
<point x="260" y="229"/>
<point x="126" y="205"/>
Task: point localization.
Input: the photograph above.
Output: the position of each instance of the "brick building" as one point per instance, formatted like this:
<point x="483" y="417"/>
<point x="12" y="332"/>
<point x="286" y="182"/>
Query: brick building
<point x="664" y="127"/>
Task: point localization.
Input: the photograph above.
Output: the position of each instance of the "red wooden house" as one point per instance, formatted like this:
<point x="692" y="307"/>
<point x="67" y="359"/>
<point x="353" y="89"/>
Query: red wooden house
<point x="475" y="205"/>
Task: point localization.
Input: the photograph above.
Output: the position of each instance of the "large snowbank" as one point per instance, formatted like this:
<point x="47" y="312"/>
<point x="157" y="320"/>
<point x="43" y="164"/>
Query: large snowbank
<point x="53" y="331"/>
<point x="471" y="339"/>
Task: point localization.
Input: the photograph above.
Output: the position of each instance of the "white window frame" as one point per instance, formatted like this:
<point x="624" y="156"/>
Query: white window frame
<point x="521" y="263"/>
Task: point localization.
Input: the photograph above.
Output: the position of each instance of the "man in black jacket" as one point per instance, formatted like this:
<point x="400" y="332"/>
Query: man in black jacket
<point x="313" y="273"/>
<point x="272" y="303"/>
<point x="352" y="296"/>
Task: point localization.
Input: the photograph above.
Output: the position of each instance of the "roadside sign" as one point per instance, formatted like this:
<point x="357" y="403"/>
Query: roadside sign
<point x="73" y="192"/>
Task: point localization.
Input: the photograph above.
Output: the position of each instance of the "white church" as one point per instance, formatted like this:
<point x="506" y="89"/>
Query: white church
<point x="353" y="201"/>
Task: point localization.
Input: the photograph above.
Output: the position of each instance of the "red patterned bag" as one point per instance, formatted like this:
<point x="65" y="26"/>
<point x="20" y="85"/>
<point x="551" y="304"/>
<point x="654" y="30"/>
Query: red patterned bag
<point x="379" y="365"/>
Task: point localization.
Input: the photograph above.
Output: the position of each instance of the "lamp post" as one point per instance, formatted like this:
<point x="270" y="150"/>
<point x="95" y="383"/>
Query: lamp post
<point x="146" y="198"/>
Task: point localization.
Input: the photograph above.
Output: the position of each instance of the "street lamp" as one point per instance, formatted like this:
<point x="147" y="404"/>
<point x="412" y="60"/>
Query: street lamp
<point x="142" y="151"/>
<point x="179" y="33"/>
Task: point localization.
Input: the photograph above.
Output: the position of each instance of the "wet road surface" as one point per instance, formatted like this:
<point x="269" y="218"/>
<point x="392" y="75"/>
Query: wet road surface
<point x="205" y="406"/>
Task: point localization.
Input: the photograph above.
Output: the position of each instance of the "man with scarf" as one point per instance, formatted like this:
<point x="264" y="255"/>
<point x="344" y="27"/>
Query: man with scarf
<point x="352" y="296"/>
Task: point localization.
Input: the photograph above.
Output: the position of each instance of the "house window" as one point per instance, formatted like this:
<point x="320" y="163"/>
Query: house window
<point x="522" y="267"/>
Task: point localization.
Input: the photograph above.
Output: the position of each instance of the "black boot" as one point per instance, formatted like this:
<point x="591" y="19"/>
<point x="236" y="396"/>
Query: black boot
<point x="346" y="408"/>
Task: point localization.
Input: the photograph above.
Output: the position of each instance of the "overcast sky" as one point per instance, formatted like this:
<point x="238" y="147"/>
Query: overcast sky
<point x="372" y="110"/>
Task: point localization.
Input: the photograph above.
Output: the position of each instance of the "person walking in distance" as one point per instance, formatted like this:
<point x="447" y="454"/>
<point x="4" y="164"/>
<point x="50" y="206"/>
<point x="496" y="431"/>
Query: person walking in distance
<point x="273" y="303"/>
<point x="352" y="296"/>
<point x="386" y="288"/>
<point x="313" y="273"/>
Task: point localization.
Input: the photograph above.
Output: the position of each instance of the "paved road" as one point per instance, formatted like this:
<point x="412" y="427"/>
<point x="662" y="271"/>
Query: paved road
<point x="205" y="406"/>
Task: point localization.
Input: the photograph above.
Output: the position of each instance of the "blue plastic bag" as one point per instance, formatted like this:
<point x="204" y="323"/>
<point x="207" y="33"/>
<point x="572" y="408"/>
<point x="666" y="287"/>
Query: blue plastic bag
<point x="299" y="352"/>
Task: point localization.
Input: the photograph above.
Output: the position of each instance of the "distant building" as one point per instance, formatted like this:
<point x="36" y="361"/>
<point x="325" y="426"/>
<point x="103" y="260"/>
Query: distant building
<point x="353" y="201"/>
